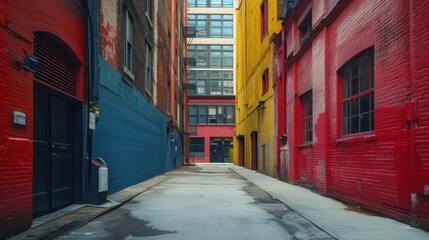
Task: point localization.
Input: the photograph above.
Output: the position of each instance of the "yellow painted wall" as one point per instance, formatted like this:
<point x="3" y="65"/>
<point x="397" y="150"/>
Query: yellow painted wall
<point x="253" y="57"/>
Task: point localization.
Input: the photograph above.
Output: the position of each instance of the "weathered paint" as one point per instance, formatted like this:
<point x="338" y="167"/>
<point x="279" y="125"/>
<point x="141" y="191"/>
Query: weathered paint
<point x="384" y="170"/>
<point x="19" y="21"/>
<point x="254" y="109"/>
<point x="109" y="31"/>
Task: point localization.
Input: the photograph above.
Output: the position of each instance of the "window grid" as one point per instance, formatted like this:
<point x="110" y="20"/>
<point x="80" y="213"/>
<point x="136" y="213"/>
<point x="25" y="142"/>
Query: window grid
<point x="212" y="56"/>
<point x="211" y="82"/>
<point x="307" y="106"/>
<point x="196" y="147"/>
<point x="212" y="25"/>
<point x="211" y="3"/>
<point x="358" y="94"/>
<point x="211" y="114"/>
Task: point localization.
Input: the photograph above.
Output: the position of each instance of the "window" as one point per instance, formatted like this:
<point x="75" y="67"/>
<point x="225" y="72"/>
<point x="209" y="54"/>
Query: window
<point x="212" y="25"/>
<point x="202" y="114"/>
<point x="212" y="56"/>
<point x="264" y="18"/>
<point x="196" y="147"/>
<point x="129" y="43"/>
<point x="265" y="81"/>
<point x="211" y="82"/>
<point x="358" y="94"/>
<point x="148" y="70"/>
<point x="211" y="3"/>
<point x="307" y="107"/>
<point x="305" y="28"/>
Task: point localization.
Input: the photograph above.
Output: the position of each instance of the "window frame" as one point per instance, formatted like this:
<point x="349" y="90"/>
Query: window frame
<point x="148" y="74"/>
<point x="265" y="82"/>
<point x="306" y="28"/>
<point x="263" y="11"/>
<point x="357" y="103"/>
<point x="207" y="78"/>
<point x="129" y="41"/>
<point x="220" y="114"/>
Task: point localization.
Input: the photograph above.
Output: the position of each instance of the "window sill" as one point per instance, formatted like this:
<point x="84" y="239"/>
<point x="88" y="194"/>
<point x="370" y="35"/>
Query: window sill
<point x="129" y="74"/>
<point x="305" y="146"/>
<point x="357" y="139"/>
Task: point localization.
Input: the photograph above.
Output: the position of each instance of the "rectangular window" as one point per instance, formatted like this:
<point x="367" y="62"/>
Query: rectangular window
<point x="265" y="82"/>
<point x="307" y="107"/>
<point x="203" y="115"/>
<point x="211" y="82"/>
<point x="264" y="18"/>
<point x="358" y="94"/>
<point x="129" y="43"/>
<point x="148" y="70"/>
<point x="196" y="147"/>
<point x="212" y="25"/>
<point x="305" y="28"/>
<point x="211" y="3"/>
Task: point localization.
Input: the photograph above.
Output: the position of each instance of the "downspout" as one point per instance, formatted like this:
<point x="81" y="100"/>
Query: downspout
<point x="92" y="77"/>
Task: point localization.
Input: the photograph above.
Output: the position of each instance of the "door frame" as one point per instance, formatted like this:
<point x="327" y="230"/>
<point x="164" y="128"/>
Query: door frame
<point x="77" y="141"/>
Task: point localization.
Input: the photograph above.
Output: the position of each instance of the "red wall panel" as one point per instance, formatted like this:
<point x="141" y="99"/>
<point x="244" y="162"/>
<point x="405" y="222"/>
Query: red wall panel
<point x="21" y="20"/>
<point x="372" y="169"/>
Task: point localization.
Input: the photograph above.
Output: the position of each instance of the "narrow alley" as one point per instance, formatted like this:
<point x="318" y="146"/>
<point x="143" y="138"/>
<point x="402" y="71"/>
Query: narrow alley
<point x="201" y="202"/>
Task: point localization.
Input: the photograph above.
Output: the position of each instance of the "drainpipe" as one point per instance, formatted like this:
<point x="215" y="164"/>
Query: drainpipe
<point x="92" y="77"/>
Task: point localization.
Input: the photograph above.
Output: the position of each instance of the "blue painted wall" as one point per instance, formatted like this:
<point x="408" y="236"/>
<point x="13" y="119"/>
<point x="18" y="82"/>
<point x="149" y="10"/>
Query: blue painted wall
<point x="131" y="133"/>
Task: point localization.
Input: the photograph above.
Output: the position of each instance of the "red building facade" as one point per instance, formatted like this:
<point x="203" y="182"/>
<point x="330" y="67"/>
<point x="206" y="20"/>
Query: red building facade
<point x="36" y="28"/>
<point x="353" y="103"/>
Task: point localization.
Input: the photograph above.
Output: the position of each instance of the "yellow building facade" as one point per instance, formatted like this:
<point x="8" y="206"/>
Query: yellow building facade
<point x="254" y="136"/>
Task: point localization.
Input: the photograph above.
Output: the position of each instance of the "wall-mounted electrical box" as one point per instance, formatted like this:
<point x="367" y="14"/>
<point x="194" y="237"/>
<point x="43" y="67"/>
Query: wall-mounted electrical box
<point x="19" y="118"/>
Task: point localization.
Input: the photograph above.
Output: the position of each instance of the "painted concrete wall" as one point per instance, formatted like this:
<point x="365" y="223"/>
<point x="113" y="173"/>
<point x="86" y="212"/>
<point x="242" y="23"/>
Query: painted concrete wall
<point x="254" y="56"/>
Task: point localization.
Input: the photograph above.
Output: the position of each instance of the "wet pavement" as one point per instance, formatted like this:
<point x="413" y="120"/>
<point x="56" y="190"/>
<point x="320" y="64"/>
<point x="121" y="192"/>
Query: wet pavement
<point x="201" y="202"/>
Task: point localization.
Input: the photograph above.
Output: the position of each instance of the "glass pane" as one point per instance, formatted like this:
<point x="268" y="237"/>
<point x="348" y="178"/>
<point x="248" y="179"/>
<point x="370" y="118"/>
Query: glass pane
<point x="345" y="126"/>
<point x="202" y="119"/>
<point x="364" y="103"/>
<point x="371" y="121"/>
<point x="355" y="86"/>
<point x="228" y="3"/>
<point x="371" y="101"/>
<point x="355" y="69"/>
<point x="354" y="124"/>
<point x="202" y="110"/>
<point x="193" y="110"/>
<point x="193" y="119"/>
<point x="363" y="81"/>
<point x="354" y="107"/>
<point x="215" y="75"/>
<point x="364" y="122"/>
<point x="212" y="111"/>
<point x="346" y="107"/>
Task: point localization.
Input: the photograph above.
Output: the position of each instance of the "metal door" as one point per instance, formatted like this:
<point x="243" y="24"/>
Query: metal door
<point x="53" y="152"/>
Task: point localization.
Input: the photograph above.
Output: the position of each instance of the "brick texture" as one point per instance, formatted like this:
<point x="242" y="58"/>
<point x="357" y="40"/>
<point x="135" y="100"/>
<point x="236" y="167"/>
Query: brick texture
<point x="378" y="170"/>
<point x="19" y="20"/>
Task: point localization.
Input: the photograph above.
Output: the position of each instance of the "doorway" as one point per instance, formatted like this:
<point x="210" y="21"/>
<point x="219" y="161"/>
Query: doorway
<point x="220" y="150"/>
<point x="54" y="155"/>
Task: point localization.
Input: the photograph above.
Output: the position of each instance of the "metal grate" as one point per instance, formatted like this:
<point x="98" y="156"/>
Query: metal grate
<point x="56" y="66"/>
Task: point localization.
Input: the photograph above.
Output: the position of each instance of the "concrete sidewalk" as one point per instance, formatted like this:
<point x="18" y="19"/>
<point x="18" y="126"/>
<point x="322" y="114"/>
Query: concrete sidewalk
<point x="331" y="215"/>
<point x="56" y="224"/>
<point x="327" y="214"/>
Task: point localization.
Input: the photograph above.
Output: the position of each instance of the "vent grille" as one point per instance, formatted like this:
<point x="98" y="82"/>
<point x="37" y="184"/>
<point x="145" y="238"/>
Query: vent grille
<point x="56" y="67"/>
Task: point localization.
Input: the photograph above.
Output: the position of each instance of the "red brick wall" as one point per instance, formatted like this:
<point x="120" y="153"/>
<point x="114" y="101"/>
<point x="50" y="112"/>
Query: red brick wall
<point x="372" y="169"/>
<point x="420" y="53"/>
<point x="20" y="21"/>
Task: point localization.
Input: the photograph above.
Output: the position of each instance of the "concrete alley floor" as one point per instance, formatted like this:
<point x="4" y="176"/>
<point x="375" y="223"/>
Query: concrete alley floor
<point x="201" y="202"/>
